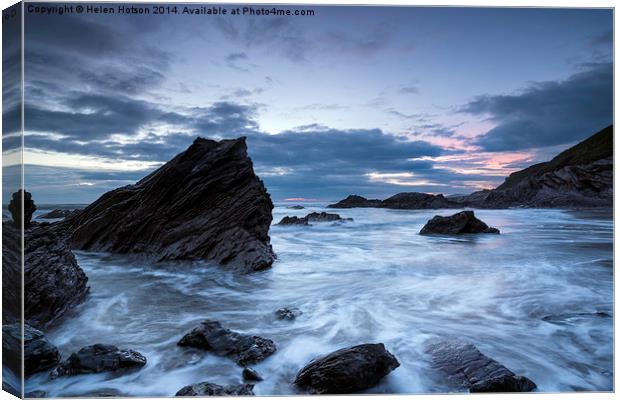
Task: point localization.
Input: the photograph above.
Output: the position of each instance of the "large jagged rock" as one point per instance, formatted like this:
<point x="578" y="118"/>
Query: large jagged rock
<point x="243" y="349"/>
<point x="462" y="222"/>
<point x="100" y="358"/>
<point x="466" y="367"/>
<point x="347" y="370"/>
<point x="54" y="283"/>
<point x="206" y="203"/>
<point x="313" y="217"/>
<point x="39" y="353"/>
<point x="19" y="213"/>
<point x="204" y="389"/>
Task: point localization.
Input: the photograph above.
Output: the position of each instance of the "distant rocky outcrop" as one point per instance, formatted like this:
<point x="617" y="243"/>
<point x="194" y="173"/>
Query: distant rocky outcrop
<point x="58" y="213"/>
<point x="100" y="358"/>
<point x="581" y="176"/>
<point x="400" y="201"/>
<point x="347" y="370"/>
<point x="313" y="217"/>
<point x="465" y="366"/>
<point x="243" y="349"/>
<point x="19" y="213"/>
<point x="462" y="222"/>
<point x="296" y="207"/>
<point x="39" y="353"/>
<point x="204" y="389"/>
<point x="206" y="203"/>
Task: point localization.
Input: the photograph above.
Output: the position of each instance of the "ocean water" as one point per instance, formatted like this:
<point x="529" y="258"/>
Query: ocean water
<point x="538" y="298"/>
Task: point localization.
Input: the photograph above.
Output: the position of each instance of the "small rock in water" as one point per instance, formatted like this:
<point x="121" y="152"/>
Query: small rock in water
<point x="465" y="366"/>
<point x="293" y="221"/>
<point x="288" y="313"/>
<point x="39" y="353"/>
<point x="212" y="389"/>
<point x="347" y="370"/>
<point x="297" y="207"/>
<point x="463" y="222"/>
<point x="243" y="349"/>
<point x="313" y="217"/>
<point x="251" y="375"/>
<point x="100" y="358"/>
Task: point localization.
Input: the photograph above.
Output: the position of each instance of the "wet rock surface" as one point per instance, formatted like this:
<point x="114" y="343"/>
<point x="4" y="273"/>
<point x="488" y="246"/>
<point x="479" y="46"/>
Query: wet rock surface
<point x="204" y="204"/>
<point x="313" y="217"/>
<point x="243" y="349"/>
<point x="466" y="367"/>
<point x="39" y="353"/>
<point x="212" y="389"/>
<point x="54" y="283"/>
<point x="100" y="358"/>
<point x="59" y="213"/>
<point x="347" y="370"/>
<point x="249" y="374"/>
<point x="459" y="223"/>
<point x="288" y="313"/>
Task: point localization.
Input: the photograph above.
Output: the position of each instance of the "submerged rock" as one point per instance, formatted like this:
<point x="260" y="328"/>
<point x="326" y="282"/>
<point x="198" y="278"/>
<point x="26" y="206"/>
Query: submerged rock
<point x="347" y="370"/>
<point x="288" y="313"/>
<point x="204" y="204"/>
<point x="463" y="222"/>
<point x="212" y="389"/>
<point x="243" y="349"/>
<point x="313" y="217"/>
<point x="39" y="353"/>
<point x="465" y="366"/>
<point x="58" y="213"/>
<point x="251" y="375"/>
<point x="297" y="207"/>
<point x="100" y="358"/>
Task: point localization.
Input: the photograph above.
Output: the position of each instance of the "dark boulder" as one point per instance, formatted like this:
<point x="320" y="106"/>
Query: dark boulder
<point x="463" y="222"/>
<point x="11" y="274"/>
<point x="211" y="389"/>
<point x="39" y="353"/>
<point x="288" y="313"/>
<point x="347" y="370"/>
<point x="54" y="282"/>
<point x="251" y="375"/>
<point x="100" y="358"/>
<point x="204" y="204"/>
<point x="19" y="213"/>
<point x="465" y="366"/>
<point x="313" y="217"/>
<point x="243" y="349"/>
<point x="58" y="213"/>
<point x="355" y="201"/>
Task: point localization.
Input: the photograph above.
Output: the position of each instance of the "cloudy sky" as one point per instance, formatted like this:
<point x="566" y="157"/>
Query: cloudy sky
<point x="365" y="100"/>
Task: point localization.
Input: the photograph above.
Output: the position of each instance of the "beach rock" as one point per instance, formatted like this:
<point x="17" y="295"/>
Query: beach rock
<point x="204" y="204"/>
<point x="58" y="213"/>
<point x="355" y="201"/>
<point x="211" y="389"/>
<point x="243" y="349"/>
<point x="465" y="366"/>
<point x="347" y="370"/>
<point x="288" y="313"/>
<point x="297" y="207"/>
<point x="462" y="222"/>
<point x="39" y="353"/>
<point x="19" y="213"/>
<point x="100" y="358"/>
<point x="250" y="375"/>
<point x="293" y="221"/>
<point x="54" y="282"/>
<point x="313" y="217"/>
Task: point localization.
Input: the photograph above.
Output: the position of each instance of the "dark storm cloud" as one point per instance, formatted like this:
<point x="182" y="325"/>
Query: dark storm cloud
<point x="548" y="113"/>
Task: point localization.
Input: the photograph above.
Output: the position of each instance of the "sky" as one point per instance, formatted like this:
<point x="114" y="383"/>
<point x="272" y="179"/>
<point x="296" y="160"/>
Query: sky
<point x="352" y="100"/>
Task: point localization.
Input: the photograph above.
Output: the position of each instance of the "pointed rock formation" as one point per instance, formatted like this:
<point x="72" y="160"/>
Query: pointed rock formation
<point x="204" y="204"/>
